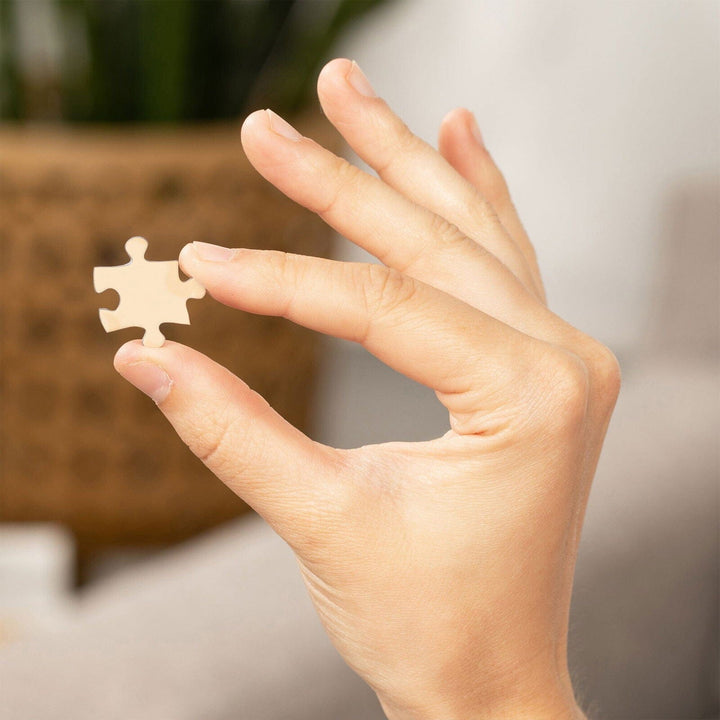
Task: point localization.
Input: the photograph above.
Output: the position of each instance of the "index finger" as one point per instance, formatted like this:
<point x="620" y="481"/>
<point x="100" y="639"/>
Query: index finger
<point x="475" y="362"/>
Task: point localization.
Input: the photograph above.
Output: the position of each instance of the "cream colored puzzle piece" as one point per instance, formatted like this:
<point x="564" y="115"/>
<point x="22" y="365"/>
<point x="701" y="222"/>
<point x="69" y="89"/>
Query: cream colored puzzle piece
<point x="151" y="293"/>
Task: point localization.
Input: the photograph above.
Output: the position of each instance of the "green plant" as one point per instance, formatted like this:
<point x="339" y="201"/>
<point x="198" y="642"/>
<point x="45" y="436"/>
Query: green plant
<point x="165" y="60"/>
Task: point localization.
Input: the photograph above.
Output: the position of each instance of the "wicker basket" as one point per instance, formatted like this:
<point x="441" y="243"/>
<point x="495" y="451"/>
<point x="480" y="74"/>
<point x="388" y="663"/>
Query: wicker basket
<point x="79" y="445"/>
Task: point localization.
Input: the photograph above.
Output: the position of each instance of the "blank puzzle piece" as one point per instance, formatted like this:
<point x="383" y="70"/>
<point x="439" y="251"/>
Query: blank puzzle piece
<point x="150" y="292"/>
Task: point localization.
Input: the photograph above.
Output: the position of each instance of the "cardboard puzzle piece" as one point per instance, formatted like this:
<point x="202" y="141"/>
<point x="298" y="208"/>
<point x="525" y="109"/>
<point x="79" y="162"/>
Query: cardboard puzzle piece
<point x="151" y="293"/>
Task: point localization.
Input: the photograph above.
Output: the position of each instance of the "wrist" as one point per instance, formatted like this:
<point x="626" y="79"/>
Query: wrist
<point x="561" y="712"/>
<point x="544" y="705"/>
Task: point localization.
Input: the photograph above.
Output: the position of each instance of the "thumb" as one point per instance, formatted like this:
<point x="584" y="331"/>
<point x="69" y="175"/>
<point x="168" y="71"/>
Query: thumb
<point x="275" y="468"/>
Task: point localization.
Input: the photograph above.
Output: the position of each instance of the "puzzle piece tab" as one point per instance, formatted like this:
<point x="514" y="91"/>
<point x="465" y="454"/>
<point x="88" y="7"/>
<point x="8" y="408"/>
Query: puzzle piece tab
<point x="151" y="293"/>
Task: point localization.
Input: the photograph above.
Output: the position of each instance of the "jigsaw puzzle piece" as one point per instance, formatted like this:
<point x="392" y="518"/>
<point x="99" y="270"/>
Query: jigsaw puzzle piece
<point x="136" y="247"/>
<point x="110" y="320"/>
<point x="151" y="293"/>
<point x="104" y="278"/>
<point x="153" y="338"/>
<point x="194" y="289"/>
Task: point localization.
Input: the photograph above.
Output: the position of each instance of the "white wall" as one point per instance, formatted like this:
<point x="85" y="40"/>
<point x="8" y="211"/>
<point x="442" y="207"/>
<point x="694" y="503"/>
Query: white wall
<point x="596" y="111"/>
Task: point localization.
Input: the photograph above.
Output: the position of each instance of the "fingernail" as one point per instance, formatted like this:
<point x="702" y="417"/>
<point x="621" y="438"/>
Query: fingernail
<point x="148" y="377"/>
<point x="282" y="127"/>
<point x="212" y="253"/>
<point x="475" y="130"/>
<point x="356" y="77"/>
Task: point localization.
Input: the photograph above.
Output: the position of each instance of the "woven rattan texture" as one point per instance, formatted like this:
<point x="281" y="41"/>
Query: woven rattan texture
<point x="79" y="445"/>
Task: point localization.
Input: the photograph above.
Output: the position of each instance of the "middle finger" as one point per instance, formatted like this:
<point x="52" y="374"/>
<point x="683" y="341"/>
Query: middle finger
<point x="411" y="166"/>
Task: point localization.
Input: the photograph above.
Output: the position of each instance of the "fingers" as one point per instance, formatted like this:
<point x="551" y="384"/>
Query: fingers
<point x="403" y="235"/>
<point x="461" y="144"/>
<point x="410" y="165"/>
<point x="421" y="332"/>
<point x="279" y="471"/>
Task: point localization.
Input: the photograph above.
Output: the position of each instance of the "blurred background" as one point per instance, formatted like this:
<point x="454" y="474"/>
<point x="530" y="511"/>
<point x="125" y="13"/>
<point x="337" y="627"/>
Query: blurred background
<point x="132" y="584"/>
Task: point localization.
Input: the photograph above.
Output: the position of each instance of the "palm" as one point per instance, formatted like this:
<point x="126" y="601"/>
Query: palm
<point x="438" y="519"/>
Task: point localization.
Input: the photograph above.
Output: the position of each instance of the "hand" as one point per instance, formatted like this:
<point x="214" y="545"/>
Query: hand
<point x="442" y="570"/>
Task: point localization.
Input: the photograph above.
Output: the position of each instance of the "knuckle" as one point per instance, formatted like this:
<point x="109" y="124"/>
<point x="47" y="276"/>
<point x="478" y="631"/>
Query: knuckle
<point x="228" y="445"/>
<point x="405" y="139"/>
<point x="496" y="190"/>
<point x="445" y="234"/>
<point x="604" y="371"/>
<point x="401" y="141"/>
<point x="345" y="177"/>
<point x="478" y="203"/>
<point x="566" y="383"/>
<point x="481" y="212"/>
<point x="383" y="289"/>
<point x="211" y="443"/>
<point x="284" y="272"/>
<point x="277" y="265"/>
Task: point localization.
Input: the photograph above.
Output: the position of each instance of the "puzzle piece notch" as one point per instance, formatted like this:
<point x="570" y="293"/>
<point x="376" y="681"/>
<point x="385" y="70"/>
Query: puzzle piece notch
<point x="151" y="293"/>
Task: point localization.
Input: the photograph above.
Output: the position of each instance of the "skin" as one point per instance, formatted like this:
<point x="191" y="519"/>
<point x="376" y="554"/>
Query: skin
<point x="441" y="570"/>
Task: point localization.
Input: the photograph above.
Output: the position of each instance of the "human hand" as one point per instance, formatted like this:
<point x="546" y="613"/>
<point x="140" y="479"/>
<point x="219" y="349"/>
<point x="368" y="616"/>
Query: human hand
<point x="441" y="570"/>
